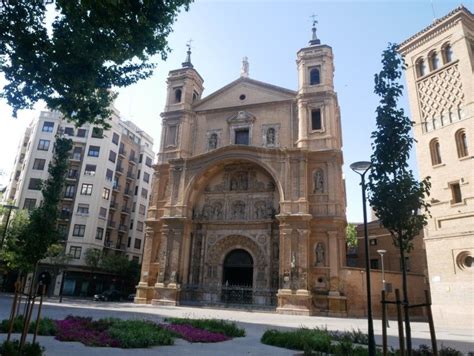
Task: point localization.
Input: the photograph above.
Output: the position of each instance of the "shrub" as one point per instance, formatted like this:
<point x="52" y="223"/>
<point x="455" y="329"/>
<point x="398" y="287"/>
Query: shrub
<point x="12" y="348"/>
<point x="300" y="339"/>
<point x="139" y="334"/>
<point x="47" y="326"/>
<point x="17" y="325"/>
<point x="227" y="328"/>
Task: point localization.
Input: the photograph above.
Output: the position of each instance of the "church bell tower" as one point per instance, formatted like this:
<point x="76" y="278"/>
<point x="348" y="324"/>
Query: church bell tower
<point x="318" y="111"/>
<point x="185" y="87"/>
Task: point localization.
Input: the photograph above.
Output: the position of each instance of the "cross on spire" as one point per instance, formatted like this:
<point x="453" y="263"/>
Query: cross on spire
<point x="314" y="38"/>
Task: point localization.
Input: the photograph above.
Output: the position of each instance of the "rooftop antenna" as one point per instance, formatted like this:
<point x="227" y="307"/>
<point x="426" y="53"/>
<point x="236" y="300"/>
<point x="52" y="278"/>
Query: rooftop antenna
<point x="433" y="9"/>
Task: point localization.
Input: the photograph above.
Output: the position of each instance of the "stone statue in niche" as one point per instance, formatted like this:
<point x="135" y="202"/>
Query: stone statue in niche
<point x="238" y="210"/>
<point x="318" y="181"/>
<point x="260" y="210"/>
<point x="320" y="254"/>
<point x="286" y="280"/>
<point x="212" y="143"/>
<point x="173" y="277"/>
<point x="206" y="211"/>
<point x="218" y="215"/>
<point x="239" y="181"/>
<point x="271" y="136"/>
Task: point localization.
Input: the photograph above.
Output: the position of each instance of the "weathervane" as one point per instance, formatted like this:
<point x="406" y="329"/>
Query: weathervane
<point x="314" y="39"/>
<point x="187" y="62"/>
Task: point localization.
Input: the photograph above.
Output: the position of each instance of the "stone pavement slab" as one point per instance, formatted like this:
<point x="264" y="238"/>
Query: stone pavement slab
<point x="255" y="323"/>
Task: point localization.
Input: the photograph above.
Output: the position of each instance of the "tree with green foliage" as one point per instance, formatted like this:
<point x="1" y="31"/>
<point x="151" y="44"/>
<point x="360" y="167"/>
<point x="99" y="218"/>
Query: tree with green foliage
<point x="17" y="227"/>
<point x="119" y="265"/>
<point x="89" y="48"/>
<point x="351" y="235"/>
<point x="26" y="248"/>
<point x="93" y="259"/>
<point x="396" y="196"/>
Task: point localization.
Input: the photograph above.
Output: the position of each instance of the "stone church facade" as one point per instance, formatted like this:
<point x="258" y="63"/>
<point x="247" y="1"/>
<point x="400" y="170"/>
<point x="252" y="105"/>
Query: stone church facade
<point x="248" y="200"/>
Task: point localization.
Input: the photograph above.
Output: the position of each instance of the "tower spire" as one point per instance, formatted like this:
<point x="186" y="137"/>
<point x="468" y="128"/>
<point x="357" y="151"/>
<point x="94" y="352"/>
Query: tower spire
<point x="187" y="63"/>
<point x="314" y="38"/>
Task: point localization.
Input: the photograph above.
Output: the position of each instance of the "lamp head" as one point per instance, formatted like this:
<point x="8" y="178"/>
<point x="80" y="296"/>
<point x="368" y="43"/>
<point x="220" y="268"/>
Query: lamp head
<point x="360" y="167"/>
<point x="381" y="252"/>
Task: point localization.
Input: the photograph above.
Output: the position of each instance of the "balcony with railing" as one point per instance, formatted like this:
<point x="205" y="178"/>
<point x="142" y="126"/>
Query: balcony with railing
<point x="110" y="224"/>
<point x="64" y="215"/>
<point x="116" y="187"/>
<point x="133" y="159"/>
<point x="113" y="205"/>
<point x="128" y="191"/>
<point x="122" y="228"/>
<point x="125" y="210"/>
<point x="75" y="157"/>
<point x="130" y="175"/>
<point x="122" y="152"/>
<point x="72" y="175"/>
<point x="119" y="170"/>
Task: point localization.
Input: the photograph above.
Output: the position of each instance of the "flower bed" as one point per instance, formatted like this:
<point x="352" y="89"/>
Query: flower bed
<point x="113" y="332"/>
<point x="225" y="327"/>
<point x="192" y="334"/>
<point x="86" y="331"/>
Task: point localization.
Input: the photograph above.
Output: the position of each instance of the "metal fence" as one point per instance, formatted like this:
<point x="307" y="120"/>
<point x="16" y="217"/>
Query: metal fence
<point x="228" y="296"/>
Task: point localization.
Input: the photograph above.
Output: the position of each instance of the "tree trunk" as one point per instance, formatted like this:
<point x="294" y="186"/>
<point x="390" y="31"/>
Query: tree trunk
<point x="405" y="295"/>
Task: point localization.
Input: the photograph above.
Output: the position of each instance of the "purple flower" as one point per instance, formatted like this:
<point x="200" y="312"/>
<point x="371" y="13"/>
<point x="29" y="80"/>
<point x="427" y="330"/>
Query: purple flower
<point x="192" y="334"/>
<point x="84" y="330"/>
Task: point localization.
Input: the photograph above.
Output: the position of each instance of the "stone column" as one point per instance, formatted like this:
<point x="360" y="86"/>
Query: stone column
<point x="293" y="295"/>
<point x="337" y="303"/>
<point x="143" y="288"/>
<point x="167" y="287"/>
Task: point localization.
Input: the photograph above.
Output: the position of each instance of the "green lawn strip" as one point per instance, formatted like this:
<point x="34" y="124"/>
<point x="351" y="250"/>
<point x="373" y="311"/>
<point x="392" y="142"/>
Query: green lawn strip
<point x="228" y="328"/>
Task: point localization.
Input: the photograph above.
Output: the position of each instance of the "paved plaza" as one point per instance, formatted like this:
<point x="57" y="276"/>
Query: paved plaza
<point x="255" y="324"/>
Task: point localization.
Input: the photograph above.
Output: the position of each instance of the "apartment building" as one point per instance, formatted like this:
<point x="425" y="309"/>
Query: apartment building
<point x="106" y="193"/>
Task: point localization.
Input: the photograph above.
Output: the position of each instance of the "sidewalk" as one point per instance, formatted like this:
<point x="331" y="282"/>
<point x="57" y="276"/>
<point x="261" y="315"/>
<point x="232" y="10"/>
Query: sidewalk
<point x="254" y="322"/>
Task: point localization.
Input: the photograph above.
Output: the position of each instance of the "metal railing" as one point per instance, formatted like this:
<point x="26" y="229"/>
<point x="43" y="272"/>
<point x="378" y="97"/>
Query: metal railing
<point x="229" y="295"/>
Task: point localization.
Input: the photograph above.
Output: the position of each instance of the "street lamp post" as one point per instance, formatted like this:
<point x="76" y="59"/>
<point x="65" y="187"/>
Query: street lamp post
<point x="384" y="284"/>
<point x="10" y="208"/>
<point x="381" y="253"/>
<point x="361" y="168"/>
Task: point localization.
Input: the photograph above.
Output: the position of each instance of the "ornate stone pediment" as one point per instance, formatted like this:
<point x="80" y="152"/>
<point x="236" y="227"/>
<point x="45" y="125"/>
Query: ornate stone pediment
<point x="241" y="117"/>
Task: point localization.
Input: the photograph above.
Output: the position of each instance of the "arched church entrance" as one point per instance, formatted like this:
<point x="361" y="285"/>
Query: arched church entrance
<point x="238" y="269"/>
<point x="237" y="273"/>
<point x="234" y="240"/>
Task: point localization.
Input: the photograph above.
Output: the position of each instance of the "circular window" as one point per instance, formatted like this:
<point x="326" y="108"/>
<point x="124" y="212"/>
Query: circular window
<point x="464" y="260"/>
<point x="468" y="261"/>
<point x="242" y="97"/>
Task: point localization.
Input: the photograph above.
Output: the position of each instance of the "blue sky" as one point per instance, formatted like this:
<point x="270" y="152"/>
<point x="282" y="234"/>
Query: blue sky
<point x="270" y="33"/>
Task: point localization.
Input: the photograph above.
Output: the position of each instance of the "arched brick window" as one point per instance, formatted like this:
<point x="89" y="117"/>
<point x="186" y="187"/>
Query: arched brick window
<point x="420" y="67"/>
<point x="435" y="152"/>
<point x="434" y="60"/>
<point x="447" y="51"/>
<point x="461" y="143"/>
